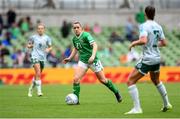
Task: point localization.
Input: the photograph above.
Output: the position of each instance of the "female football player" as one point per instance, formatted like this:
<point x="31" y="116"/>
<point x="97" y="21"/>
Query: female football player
<point x="40" y="44"/>
<point x="151" y="37"/>
<point x="86" y="47"/>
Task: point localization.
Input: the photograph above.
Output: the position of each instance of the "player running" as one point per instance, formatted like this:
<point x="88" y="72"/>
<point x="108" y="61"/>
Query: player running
<point x="151" y="37"/>
<point x="86" y="47"/>
<point x="40" y="45"/>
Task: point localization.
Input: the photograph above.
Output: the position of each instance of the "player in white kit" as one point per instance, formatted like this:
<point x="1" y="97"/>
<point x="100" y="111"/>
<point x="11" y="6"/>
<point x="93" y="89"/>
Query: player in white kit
<point x="151" y="38"/>
<point x="40" y="45"/>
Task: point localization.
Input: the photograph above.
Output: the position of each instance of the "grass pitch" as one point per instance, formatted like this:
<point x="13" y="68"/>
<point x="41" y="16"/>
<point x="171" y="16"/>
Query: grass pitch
<point x="96" y="101"/>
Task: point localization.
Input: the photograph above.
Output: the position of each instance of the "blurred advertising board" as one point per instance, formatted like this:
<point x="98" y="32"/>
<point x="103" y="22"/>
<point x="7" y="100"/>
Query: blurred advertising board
<point x="65" y="75"/>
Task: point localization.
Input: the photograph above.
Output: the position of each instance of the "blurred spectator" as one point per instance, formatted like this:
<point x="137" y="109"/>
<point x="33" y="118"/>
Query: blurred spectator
<point x="15" y="31"/>
<point x="65" y="29"/>
<point x="132" y="56"/>
<point x="24" y="26"/>
<point x="26" y="62"/>
<point x="67" y="52"/>
<point x="52" y="59"/>
<point x="18" y="58"/>
<point x="125" y="4"/>
<point x="104" y="52"/>
<point x="96" y="29"/>
<point x="7" y="40"/>
<point x="178" y="63"/>
<point x="20" y="22"/>
<point x="28" y="18"/>
<point x="59" y="54"/>
<point x="130" y="30"/>
<point x="123" y="58"/>
<point x="114" y="37"/>
<point x="1" y="24"/>
<point x="87" y="28"/>
<point x="11" y="17"/>
<point x="49" y="4"/>
<point x="140" y="16"/>
<point x="3" y="52"/>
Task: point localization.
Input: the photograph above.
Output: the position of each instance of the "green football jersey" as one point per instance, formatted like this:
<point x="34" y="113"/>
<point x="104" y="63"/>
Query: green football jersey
<point x="84" y="47"/>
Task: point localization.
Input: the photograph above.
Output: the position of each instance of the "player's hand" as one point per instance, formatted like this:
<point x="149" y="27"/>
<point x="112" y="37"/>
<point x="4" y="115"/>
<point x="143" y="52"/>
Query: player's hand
<point x="66" y="60"/>
<point x="30" y="45"/>
<point x="131" y="46"/>
<point x="91" y="59"/>
<point x="47" y="50"/>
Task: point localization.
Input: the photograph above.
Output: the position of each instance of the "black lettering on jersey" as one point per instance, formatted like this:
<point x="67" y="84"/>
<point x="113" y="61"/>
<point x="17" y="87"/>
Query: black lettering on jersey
<point x="40" y="45"/>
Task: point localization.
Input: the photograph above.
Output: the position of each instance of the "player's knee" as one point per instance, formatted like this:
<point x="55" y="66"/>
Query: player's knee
<point x="130" y="82"/>
<point x="102" y="80"/>
<point x="38" y="74"/>
<point x="156" y="82"/>
<point x="76" y="79"/>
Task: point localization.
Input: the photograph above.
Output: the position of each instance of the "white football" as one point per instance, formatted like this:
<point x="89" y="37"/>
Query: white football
<point x="71" y="99"/>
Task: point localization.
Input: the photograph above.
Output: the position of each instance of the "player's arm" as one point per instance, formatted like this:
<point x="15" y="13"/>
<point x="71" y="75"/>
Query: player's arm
<point x="73" y="53"/>
<point x="48" y="49"/>
<point x="162" y="43"/>
<point x="30" y="43"/>
<point x="49" y="45"/>
<point x="142" y="40"/>
<point x="94" y="50"/>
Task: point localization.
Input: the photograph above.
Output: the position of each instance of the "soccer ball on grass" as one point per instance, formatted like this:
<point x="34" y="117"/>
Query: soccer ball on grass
<point x="71" y="99"/>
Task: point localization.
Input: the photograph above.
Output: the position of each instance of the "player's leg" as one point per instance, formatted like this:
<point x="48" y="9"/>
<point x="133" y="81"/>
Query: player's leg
<point x="39" y="82"/>
<point x="98" y="69"/>
<point x="33" y="84"/>
<point x="37" y="69"/>
<point x="134" y="76"/>
<point x="162" y="90"/>
<point x="80" y="71"/>
<point x="109" y="84"/>
<point x="30" y="91"/>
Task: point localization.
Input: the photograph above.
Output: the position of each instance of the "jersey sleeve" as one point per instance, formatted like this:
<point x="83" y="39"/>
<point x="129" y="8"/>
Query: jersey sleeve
<point x="48" y="42"/>
<point x="162" y="36"/>
<point x="142" y="31"/>
<point x="90" y="39"/>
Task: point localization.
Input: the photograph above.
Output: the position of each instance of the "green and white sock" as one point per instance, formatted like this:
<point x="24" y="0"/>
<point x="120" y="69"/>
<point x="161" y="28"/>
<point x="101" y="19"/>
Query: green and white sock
<point x="76" y="89"/>
<point x="33" y="84"/>
<point x="162" y="90"/>
<point x="111" y="86"/>
<point x="133" y="91"/>
<point x="38" y="85"/>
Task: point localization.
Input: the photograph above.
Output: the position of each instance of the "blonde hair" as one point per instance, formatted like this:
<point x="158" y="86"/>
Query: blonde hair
<point x="40" y="24"/>
<point x="77" y="22"/>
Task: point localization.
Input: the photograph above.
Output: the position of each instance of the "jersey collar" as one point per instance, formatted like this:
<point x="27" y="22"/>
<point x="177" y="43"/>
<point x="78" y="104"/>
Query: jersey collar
<point x="40" y="35"/>
<point x="80" y="35"/>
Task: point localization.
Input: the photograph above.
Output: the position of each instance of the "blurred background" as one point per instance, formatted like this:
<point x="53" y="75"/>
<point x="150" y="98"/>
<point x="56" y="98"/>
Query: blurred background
<point x="113" y="24"/>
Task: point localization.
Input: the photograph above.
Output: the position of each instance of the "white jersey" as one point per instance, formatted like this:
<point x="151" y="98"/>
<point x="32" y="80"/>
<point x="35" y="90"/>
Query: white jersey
<point x="153" y="31"/>
<point x="40" y="43"/>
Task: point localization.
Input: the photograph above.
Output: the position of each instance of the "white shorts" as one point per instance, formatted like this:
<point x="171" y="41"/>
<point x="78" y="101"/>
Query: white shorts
<point x="95" y="67"/>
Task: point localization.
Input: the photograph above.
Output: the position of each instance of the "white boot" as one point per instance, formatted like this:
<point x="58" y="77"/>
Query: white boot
<point x="30" y="90"/>
<point x="135" y="111"/>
